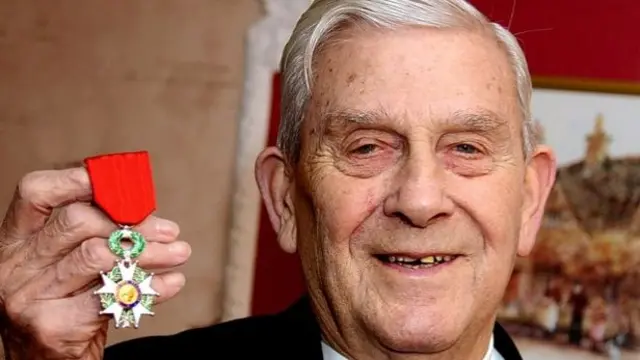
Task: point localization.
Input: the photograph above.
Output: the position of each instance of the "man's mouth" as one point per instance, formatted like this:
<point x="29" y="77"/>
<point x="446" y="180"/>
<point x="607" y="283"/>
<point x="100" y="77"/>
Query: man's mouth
<point x="416" y="262"/>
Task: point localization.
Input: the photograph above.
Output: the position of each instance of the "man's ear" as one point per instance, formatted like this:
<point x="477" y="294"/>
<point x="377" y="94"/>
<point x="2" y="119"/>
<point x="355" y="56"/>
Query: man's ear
<point x="539" y="180"/>
<point x="276" y="183"/>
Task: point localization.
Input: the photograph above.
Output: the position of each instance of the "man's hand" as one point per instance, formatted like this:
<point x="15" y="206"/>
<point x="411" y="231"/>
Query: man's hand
<point x="52" y="248"/>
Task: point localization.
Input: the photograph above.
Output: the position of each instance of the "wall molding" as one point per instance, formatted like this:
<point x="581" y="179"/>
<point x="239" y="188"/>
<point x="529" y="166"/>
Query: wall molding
<point x="265" y="42"/>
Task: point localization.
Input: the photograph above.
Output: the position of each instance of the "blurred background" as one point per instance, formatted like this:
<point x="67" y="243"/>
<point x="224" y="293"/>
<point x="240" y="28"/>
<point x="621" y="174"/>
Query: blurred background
<point x="195" y="82"/>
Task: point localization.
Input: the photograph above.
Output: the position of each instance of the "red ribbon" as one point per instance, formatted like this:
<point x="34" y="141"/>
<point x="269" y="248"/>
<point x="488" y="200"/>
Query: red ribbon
<point x="123" y="186"/>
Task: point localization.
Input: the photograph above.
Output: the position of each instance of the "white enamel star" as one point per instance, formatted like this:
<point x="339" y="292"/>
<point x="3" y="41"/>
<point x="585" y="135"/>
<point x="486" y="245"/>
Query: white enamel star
<point x="111" y="287"/>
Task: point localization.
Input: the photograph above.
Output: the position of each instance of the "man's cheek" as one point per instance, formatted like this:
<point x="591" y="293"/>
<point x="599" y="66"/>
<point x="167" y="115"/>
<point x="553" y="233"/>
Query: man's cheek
<point x="346" y="214"/>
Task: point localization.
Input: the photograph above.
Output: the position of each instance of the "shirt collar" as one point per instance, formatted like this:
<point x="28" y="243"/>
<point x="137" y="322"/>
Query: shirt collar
<point x="328" y="353"/>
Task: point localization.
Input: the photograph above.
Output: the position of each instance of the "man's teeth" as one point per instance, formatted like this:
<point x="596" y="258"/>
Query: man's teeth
<point x="425" y="261"/>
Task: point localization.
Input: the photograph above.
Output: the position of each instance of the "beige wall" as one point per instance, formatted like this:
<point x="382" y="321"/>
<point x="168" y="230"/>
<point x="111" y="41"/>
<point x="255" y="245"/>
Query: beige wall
<point x="79" y="78"/>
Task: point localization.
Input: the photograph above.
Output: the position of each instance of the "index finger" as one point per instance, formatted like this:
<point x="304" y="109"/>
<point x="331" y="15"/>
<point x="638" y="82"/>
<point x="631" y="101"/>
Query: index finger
<point x="39" y="192"/>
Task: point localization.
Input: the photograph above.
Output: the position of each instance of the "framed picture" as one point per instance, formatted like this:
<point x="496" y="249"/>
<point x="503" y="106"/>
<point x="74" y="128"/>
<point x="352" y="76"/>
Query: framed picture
<point x="577" y="296"/>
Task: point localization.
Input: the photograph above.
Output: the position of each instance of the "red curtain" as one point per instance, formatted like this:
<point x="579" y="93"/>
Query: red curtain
<point x="573" y="38"/>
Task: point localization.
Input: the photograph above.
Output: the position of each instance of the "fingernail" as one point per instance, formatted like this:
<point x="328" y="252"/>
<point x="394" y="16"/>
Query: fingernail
<point x="167" y="227"/>
<point x="175" y="280"/>
<point x="180" y="248"/>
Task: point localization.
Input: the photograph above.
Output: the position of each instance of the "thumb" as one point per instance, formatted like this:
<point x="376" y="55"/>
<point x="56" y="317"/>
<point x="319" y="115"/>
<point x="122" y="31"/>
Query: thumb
<point x="38" y="193"/>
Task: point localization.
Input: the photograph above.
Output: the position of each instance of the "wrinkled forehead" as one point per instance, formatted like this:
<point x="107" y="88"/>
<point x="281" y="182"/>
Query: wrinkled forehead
<point x="414" y="74"/>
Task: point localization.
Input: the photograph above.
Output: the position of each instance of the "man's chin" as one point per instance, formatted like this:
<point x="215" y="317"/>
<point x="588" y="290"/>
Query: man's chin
<point x="422" y="333"/>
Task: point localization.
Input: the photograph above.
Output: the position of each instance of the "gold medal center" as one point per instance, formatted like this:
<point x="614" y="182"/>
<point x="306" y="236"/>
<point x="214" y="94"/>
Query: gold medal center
<point x="127" y="294"/>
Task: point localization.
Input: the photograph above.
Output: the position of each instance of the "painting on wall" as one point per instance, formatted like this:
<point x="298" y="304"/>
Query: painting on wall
<point x="578" y="295"/>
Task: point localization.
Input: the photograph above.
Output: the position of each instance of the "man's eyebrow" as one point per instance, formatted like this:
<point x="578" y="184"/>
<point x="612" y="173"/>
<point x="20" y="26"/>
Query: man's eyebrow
<point x="352" y="116"/>
<point x="475" y="120"/>
<point x="479" y="120"/>
<point x="337" y="119"/>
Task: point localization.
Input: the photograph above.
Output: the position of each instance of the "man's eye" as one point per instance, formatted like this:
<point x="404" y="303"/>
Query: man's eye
<point x="365" y="149"/>
<point x="467" y="149"/>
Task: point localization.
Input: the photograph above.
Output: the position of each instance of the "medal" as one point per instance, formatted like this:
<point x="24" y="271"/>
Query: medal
<point x="123" y="188"/>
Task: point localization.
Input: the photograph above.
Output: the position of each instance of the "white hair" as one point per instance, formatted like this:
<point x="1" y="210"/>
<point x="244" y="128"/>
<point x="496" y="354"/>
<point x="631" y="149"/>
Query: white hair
<point x="325" y="18"/>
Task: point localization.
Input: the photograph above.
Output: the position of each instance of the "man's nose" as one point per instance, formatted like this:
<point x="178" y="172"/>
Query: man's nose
<point x="418" y="195"/>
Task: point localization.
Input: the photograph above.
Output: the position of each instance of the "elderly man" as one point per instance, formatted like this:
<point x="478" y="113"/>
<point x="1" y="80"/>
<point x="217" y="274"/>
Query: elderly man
<point x="406" y="177"/>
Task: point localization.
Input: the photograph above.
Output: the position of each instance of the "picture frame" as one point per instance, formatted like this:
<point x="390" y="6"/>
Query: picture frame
<point x="589" y="124"/>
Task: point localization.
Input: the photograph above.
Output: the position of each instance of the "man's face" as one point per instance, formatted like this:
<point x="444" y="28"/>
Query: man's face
<point x="411" y="193"/>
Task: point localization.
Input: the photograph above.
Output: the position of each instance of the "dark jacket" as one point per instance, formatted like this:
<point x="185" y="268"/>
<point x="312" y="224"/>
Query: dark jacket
<point x="291" y="334"/>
